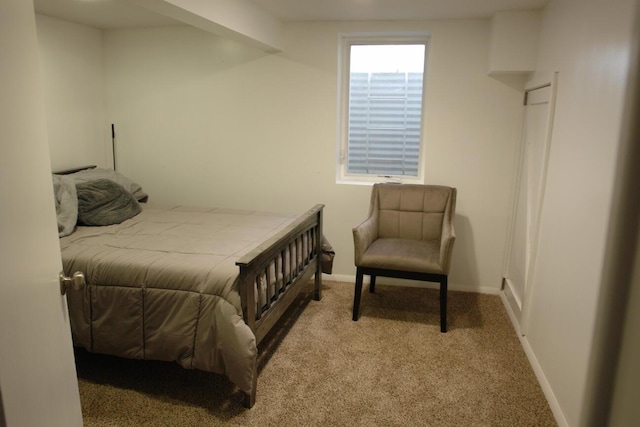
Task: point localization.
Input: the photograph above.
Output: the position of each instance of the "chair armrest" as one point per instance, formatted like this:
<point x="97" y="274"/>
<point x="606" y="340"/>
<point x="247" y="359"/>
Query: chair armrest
<point x="446" y="245"/>
<point x="363" y="235"/>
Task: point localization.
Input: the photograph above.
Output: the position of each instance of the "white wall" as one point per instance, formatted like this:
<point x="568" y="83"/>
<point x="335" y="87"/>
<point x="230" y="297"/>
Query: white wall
<point x="73" y="79"/>
<point x="203" y="120"/>
<point x="514" y="41"/>
<point x="588" y="42"/>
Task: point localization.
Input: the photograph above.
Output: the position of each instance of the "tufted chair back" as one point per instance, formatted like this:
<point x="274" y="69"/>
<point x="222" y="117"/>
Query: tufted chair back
<point x="414" y="212"/>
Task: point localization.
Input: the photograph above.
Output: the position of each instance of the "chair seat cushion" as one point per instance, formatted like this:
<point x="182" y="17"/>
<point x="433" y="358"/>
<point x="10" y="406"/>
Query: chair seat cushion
<point x="405" y="255"/>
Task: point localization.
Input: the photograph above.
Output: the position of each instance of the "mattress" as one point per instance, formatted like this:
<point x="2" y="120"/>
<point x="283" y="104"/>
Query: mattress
<point x="162" y="286"/>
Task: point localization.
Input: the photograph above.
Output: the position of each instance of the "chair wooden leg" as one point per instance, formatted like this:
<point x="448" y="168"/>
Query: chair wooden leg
<point x="443" y="304"/>
<point x="358" y="293"/>
<point x="372" y="284"/>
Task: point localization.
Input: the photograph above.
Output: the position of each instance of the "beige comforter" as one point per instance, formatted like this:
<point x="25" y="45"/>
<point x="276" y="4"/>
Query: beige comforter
<point x="162" y="286"/>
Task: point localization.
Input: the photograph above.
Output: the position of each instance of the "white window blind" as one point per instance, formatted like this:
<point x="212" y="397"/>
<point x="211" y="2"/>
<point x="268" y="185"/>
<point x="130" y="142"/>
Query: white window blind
<point x="385" y="112"/>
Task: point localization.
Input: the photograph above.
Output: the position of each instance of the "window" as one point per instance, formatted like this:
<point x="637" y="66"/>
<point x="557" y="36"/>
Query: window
<point x="381" y="105"/>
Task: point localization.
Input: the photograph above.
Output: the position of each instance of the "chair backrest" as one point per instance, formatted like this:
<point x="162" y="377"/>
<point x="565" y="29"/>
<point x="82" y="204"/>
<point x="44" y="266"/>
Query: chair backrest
<point x="412" y="211"/>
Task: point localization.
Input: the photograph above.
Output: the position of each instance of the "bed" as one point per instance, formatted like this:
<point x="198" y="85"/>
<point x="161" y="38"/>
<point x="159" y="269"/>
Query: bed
<point x="197" y="286"/>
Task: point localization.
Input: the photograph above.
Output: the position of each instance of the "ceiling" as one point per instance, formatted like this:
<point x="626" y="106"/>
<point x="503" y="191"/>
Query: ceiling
<point x="109" y="14"/>
<point x="384" y="10"/>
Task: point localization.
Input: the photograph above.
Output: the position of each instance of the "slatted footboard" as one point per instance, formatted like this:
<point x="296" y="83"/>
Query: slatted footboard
<point x="273" y="274"/>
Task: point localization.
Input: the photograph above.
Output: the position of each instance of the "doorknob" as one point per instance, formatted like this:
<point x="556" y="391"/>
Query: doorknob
<point x="76" y="282"/>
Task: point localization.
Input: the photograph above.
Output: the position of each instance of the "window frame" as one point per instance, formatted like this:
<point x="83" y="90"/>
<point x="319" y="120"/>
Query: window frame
<point x="345" y="41"/>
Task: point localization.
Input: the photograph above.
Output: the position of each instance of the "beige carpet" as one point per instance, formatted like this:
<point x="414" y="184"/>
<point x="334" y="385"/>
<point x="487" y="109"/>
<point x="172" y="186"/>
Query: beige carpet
<point x="391" y="368"/>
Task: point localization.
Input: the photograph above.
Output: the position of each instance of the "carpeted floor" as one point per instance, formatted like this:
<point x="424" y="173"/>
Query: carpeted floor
<point x="391" y="368"/>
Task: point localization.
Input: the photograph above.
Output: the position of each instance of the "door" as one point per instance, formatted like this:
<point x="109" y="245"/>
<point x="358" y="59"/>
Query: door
<point x="38" y="383"/>
<point x="529" y="196"/>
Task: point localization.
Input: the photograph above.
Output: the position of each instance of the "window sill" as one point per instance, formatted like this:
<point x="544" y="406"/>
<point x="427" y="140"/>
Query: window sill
<point x="371" y="181"/>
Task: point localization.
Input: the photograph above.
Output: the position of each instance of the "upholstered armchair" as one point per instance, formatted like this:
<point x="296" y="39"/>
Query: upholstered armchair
<point x="409" y="234"/>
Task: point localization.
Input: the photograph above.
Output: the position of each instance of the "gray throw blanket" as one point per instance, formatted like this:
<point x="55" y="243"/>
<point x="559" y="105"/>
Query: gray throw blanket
<point x="64" y="189"/>
<point x="94" y="202"/>
<point x="104" y="202"/>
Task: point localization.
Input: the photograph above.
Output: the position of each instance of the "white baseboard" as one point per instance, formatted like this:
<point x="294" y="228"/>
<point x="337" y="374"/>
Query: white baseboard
<point x="413" y="283"/>
<point x="512" y="300"/>
<point x="342" y="278"/>
<point x="537" y="369"/>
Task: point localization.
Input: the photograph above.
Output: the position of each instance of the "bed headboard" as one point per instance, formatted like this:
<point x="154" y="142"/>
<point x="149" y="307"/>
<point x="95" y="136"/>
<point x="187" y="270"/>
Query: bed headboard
<point x="74" y="170"/>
